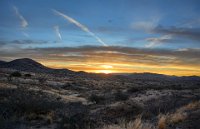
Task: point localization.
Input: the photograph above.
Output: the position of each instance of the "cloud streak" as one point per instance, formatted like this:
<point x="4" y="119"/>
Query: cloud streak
<point x="190" y="33"/>
<point x="158" y="41"/>
<point x="26" y="34"/>
<point x="147" y="25"/>
<point x="24" y="23"/>
<point x="127" y="59"/>
<point x="81" y="26"/>
<point x="57" y="31"/>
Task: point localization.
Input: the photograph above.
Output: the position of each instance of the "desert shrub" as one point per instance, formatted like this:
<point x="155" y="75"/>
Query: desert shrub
<point x="177" y="117"/>
<point x="78" y="121"/>
<point x="42" y="80"/>
<point x="9" y="78"/>
<point x="30" y="105"/>
<point x="96" y="99"/>
<point x="22" y="101"/>
<point x="76" y="117"/>
<point x="136" y="124"/>
<point x="162" y="121"/>
<point x="9" y="123"/>
<point x="15" y="74"/>
<point x="73" y="86"/>
<point x="48" y="117"/>
<point x="121" y="96"/>
<point x="121" y="110"/>
<point x="27" y="75"/>
<point x="34" y="116"/>
<point x="133" y="89"/>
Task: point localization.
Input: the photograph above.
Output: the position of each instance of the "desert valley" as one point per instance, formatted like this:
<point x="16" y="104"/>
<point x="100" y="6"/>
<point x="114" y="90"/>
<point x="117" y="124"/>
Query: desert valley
<point x="99" y="64"/>
<point x="36" y="97"/>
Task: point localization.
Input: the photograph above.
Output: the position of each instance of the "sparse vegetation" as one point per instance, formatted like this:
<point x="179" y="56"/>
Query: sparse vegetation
<point x="162" y="121"/>
<point x="91" y="102"/>
<point x="15" y="74"/>
<point x="96" y="99"/>
<point x="27" y="75"/>
<point x="119" y="96"/>
<point x="133" y="89"/>
<point x="42" y="80"/>
<point x="136" y="124"/>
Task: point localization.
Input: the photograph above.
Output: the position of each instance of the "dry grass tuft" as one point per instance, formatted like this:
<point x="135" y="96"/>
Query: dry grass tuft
<point x="50" y="117"/>
<point x="137" y="124"/>
<point x="191" y="106"/>
<point x="162" y="122"/>
<point x="111" y="127"/>
<point x="177" y="117"/>
<point x="173" y="118"/>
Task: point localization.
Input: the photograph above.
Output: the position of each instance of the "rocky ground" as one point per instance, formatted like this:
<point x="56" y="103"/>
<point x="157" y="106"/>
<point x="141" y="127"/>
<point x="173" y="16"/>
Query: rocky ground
<point x="47" y="101"/>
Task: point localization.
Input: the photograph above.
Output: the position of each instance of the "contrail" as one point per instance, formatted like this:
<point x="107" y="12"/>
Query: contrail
<point x="24" y="23"/>
<point x="82" y="27"/>
<point x="25" y="34"/>
<point x="58" y="32"/>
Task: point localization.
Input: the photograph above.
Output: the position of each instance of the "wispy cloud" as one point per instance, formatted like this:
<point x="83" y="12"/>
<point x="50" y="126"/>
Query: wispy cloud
<point x="189" y="33"/>
<point x="191" y="23"/>
<point x="57" y="31"/>
<point x="176" y="34"/>
<point x="147" y="25"/>
<point x="26" y="34"/>
<point x="81" y="26"/>
<point x="24" y="23"/>
<point x="153" y="42"/>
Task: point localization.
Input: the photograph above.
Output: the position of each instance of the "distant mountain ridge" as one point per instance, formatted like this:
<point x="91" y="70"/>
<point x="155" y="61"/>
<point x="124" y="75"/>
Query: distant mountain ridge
<point x="2" y="62"/>
<point x="156" y="76"/>
<point x="29" y="65"/>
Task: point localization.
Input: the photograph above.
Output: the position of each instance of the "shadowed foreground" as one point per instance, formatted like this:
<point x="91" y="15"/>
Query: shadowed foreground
<point x="64" y="99"/>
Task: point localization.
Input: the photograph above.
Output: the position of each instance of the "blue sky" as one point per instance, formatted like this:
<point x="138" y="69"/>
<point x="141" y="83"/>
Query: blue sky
<point x="140" y="24"/>
<point x="116" y="22"/>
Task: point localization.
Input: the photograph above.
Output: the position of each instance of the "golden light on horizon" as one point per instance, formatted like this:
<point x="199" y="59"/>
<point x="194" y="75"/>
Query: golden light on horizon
<point x="96" y="66"/>
<point x="104" y="71"/>
<point x="107" y="66"/>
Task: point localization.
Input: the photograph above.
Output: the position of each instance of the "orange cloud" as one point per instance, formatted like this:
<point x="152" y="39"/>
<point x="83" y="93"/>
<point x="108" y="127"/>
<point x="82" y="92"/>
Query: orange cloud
<point x="113" y="59"/>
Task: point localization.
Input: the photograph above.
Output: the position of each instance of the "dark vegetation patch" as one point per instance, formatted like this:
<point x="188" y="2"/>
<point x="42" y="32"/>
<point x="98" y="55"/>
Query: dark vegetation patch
<point x="97" y="99"/>
<point x="120" y="96"/>
<point x="15" y="74"/>
<point x="18" y="103"/>
<point x="27" y="75"/>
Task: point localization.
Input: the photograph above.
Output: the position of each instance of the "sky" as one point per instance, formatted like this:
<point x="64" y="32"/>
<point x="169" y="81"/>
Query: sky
<point x="104" y="36"/>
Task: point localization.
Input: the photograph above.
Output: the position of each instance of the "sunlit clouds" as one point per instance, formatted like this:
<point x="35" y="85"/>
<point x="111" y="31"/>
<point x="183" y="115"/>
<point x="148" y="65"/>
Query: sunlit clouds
<point x="158" y="41"/>
<point x="81" y="26"/>
<point x="115" y="59"/>
<point x="107" y="66"/>
<point x="104" y="36"/>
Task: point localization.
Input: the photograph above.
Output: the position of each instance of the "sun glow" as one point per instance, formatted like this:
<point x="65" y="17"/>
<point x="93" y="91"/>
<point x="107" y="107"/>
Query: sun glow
<point x="124" y="67"/>
<point x="107" y="66"/>
<point x="104" y="71"/>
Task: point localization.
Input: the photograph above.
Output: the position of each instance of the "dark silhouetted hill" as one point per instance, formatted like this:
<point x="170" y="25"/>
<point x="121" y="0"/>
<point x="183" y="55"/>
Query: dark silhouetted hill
<point x="29" y="65"/>
<point x="2" y="62"/>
